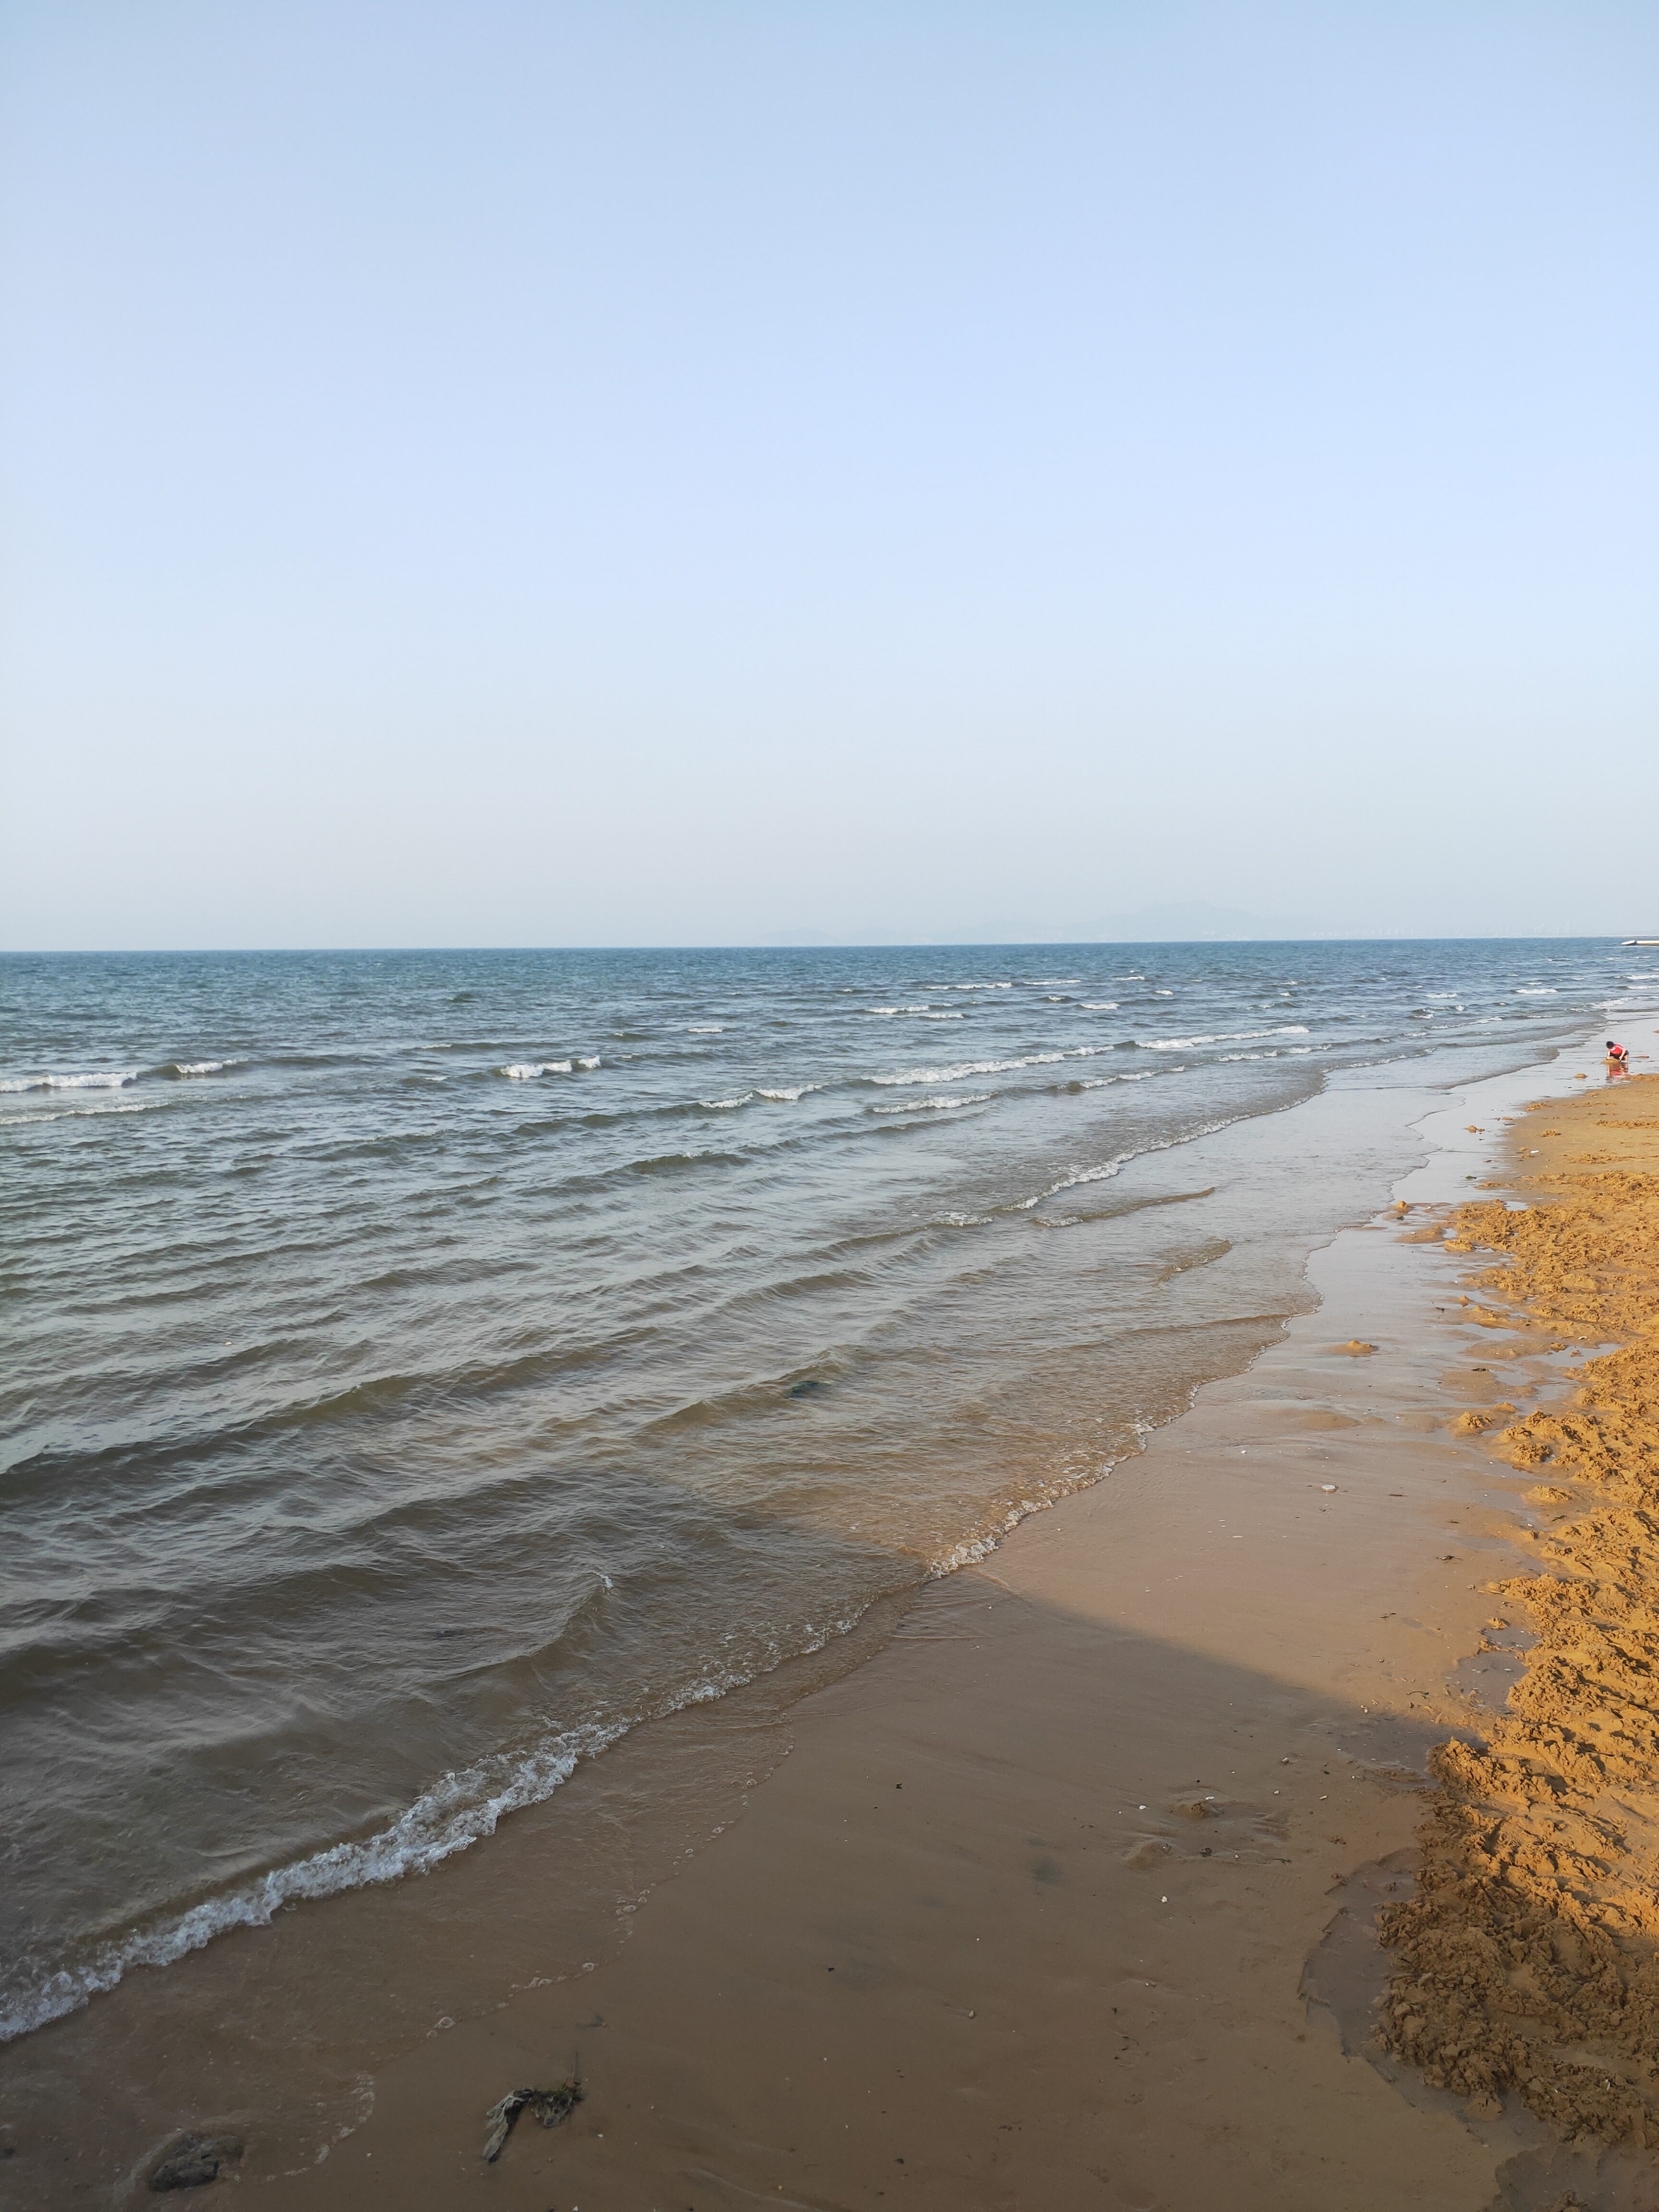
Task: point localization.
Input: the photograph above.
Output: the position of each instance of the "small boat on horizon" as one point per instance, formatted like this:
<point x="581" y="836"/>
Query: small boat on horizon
<point x="1639" y="940"/>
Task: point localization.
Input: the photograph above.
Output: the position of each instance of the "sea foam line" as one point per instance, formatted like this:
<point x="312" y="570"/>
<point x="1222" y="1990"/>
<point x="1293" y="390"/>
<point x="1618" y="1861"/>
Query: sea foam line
<point x="521" y="1071"/>
<point x="1225" y="1037"/>
<point x="934" y="1105"/>
<point x="962" y="1068"/>
<point x="456" y="1814"/>
<point x="74" y="1114"/>
<point x="462" y="1810"/>
<point x="110" y="1079"/>
<point x="1107" y="1168"/>
<point x="972" y="1549"/>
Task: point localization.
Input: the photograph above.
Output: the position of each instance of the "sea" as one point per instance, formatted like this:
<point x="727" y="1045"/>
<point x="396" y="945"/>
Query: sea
<point x="425" y="1369"/>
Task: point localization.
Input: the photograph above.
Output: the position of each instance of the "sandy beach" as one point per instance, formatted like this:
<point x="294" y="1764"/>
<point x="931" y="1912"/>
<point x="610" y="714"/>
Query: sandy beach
<point x="829" y="1379"/>
<point x="1069" y="1894"/>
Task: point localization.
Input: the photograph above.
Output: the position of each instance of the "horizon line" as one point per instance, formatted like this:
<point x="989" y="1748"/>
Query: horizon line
<point x="777" y="944"/>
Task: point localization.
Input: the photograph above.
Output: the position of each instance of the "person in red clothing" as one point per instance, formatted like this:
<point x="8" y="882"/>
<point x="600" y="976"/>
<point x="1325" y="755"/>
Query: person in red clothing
<point x="1618" y="1055"/>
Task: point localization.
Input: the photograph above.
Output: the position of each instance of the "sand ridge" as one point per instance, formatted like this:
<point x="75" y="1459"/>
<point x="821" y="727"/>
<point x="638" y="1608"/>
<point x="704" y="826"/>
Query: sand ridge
<point x="1527" y="1962"/>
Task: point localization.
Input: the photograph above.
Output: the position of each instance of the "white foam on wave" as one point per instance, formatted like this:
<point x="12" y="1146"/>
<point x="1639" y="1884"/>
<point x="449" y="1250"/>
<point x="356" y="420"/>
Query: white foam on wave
<point x="972" y="1549"/>
<point x="934" y="1105"/>
<point x="110" y="1079"/>
<point x="1049" y="982"/>
<point x="967" y="1067"/>
<point x="929" y="1015"/>
<point x="1099" y="1005"/>
<point x="1535" y="991"/>
<point x="1104" y="1170"/>
<point x="182" y="1067"/>
<point x="1229" y="1036"/>
<point x="725" y="1105"/>
<point x="464" y="1808"/>
<point x="705" y="1028"/>
<point x="522" y="1071"/>
<point x="456" y="1813"/>
<point x="895" y="1010"/>
<point x="76" y="1114"/>
<point x="788" y="1094"/>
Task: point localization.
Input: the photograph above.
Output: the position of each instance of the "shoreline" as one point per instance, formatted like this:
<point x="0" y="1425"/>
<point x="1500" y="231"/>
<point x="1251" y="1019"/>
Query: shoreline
<point x="1072" y="1706"/>
<point x="1023" y="1918"/>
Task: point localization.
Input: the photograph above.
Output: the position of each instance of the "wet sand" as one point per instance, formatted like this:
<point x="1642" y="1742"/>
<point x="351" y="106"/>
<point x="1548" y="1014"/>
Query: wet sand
<point x="1067" y="1895"/>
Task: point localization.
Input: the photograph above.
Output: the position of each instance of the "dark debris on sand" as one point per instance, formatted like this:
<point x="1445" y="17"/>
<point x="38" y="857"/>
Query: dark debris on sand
<point x="191" y="2161"/>
<point x="550" y="2106"/>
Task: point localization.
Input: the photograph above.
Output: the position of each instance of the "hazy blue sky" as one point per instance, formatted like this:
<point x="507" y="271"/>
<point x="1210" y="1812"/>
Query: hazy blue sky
<point x="533" y="473"/>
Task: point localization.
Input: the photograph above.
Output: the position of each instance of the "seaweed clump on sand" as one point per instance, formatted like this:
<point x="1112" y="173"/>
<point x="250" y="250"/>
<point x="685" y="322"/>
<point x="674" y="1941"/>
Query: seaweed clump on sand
<point x="550" y="2106"/>
<point x="1528" y="1961"/>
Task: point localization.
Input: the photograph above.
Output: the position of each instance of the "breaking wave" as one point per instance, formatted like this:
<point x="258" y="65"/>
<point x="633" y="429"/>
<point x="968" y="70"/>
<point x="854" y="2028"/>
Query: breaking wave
<point x="521" y="1071"/>
<point x="457" y="1812"/>
<point x="112" y="1080"/>
<point x="464" y="1808"/>
<point x="967" y="1067"/>
<point x="1225" y="1037"/>
<point x="933" y="1105"/>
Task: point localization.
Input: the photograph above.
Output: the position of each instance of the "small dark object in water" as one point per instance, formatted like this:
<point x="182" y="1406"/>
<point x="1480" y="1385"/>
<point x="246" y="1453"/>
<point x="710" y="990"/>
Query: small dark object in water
<point x="550" y="2106"/>
<point x="806" y="1389"/>
<point x="192" y="2163"/>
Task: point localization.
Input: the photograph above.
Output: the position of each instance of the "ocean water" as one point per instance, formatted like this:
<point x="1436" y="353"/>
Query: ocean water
<point x="424" y="1368"/>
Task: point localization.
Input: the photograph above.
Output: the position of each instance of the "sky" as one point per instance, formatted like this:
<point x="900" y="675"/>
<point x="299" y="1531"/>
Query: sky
<point x="777" y="470"/>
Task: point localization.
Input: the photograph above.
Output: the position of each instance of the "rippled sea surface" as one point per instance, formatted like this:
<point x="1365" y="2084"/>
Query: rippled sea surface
<point x="424" y="1367"/>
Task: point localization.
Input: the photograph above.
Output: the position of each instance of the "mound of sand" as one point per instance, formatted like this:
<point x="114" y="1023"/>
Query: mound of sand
<point x="1529" y="1960"/>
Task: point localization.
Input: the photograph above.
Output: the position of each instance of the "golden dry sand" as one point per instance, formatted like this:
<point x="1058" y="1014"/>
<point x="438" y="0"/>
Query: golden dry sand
<point x="1527" y="1962"/>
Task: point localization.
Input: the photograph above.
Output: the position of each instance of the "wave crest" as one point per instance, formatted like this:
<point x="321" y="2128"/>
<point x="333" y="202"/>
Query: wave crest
<point x="109" y="1079"/>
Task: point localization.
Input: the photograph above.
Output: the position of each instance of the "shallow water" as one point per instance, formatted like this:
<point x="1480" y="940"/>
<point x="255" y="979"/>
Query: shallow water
<point x="425" y="1367"/>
